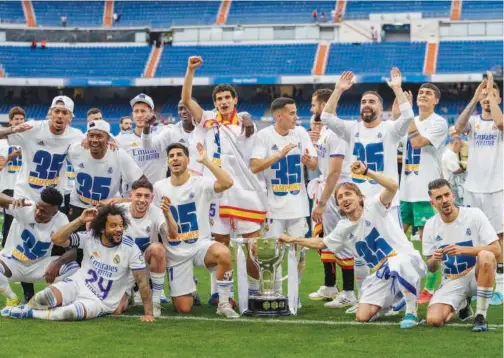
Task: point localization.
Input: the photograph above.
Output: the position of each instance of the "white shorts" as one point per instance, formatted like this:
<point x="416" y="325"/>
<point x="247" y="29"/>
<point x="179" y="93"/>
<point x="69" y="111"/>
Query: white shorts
<point x="28" y="272"/>
<point x="378" y="292"/>
<point x="491" y="204"/>
<point x="454" y="292"/>
<point x="224" y="226"/>
<point x="293" y="227"/>
<point x="181" y="274"/>
<point x="72" y="294"/>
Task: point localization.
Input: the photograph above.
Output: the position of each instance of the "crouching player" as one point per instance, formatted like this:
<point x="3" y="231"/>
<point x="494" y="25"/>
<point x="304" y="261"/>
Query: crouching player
<point x="98" y="287"/>
<point x="374" y="235"/>
<point x="463" y="242"/>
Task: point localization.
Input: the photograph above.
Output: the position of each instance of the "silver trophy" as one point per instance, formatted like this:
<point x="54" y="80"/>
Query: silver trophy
<point x="267" y="254"/>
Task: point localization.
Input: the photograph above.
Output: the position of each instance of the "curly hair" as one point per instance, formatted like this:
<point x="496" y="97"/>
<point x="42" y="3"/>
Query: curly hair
<point x="99" y="223"/>
<point x="51" y="196"/>
<point x="143" y="182"/>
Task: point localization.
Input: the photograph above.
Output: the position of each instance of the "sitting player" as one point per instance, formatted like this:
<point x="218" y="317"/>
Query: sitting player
<point x="27" y="255"/>
<point x="99" y="286"/>
<point x="464" y="243"/>
<point x="190" y="198"/>
<point x="371" y="230"/>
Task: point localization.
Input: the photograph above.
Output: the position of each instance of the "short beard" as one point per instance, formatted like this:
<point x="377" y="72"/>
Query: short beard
<point x="110" y="240"/>
<point x="368" y="119"/>
<point x="317" y="117"/>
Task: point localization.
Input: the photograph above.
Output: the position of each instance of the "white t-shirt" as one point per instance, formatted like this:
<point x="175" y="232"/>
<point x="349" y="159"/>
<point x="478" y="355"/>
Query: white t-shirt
<point x="105" y="271"/>
<point x="146" y="229"/>
<point x="376" y="147"/>
<point x="470" y="228"/>
<point x="190" y="207"/>
<point x="29" y="241"/>
<point x="374" y="237"/>
<point x="100" y="179"/>
<point x="423" y="165"/>
<point x="329" y="146"/>
<point x="449" y="163"/>
<point x="43" y="158"/>
<point x="10" y="172"/>
<point x="151" y="161"/>
<point x="287" y="198"/>
<point x="485" y="170"/>
<point x="176" y="134"/>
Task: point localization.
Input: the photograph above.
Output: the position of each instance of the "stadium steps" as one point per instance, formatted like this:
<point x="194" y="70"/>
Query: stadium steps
<point x="456" y="10"/>
<point x="223" y="13"/>
<point x="431" y="55"/>
<point x="321" y="56"/>
<point x="108" y="11"/>
<point x="29" y="13"/>
<point x="340" y="7"/>
<point x="153" y="62"/>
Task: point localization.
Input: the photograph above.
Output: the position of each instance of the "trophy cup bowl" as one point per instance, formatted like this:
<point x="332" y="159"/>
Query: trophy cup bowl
<point x="267" y="254"/>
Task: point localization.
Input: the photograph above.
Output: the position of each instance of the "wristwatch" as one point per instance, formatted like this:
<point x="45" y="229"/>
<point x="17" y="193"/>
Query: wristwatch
<point x="322" y="203"/>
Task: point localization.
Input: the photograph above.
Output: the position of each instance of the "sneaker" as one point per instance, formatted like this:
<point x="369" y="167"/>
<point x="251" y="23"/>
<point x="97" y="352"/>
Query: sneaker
<point x="137" y="299"/>
<point x="164" y="299"/>
<point x="397" y="308"/>
<point x="225" y="309"/>
<point x="480" y="324"/>
<point x="324" y="293"/>
<point x="196" y="299"/>
<point x="415" y="237"/>
<point x="466" y="312"/>
<point x="213" y="300"/>
<point x="409" y="321"/>
<point x="156" y="309"/>
<point x="344" y="299"/>
<point x="352" y="309"/>
<point x="21" y="312"/>
<point x="6" y="311"/>
<point x="11" y="302"/>
<point x="496" y="299"/>
<point x="424" y="297"/>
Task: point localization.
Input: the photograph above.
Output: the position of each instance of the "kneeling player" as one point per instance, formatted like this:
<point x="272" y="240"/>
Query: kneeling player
<point x="190" y="198"/>
<point x="374" y="235"/>
<point x="99" y="286"/>
<point x="27" y="255"/>
<point x="464" y="243"/>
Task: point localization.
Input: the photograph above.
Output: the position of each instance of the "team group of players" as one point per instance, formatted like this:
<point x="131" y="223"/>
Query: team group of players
<point x="92" y="213"/>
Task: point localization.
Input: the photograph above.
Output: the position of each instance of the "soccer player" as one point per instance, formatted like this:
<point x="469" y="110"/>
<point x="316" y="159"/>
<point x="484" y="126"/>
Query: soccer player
<point x="280" y="151"/>
<point x="484" y="186"/>
<point x="94" y="114"/>
<point x="98" y="170"/>
<point x="147" y="223"/>
<point x="190" y="198"/>
<point x="334" y="163"/>
<point x="125" y="123"/>
<point x="27" y="255"/>
<point x="45" y="145"/>
<point x="452" y="170"/>
<point x="99" y="286"/>
<point x="462" y="241"/>
<point x="373" y="233"/>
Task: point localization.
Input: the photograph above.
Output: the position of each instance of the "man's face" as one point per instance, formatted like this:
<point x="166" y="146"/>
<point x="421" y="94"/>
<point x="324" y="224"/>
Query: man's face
<point x="183" y="113"/>
<point x="370" y="108"/>
<point x="97" y="140"/>
<point x="316" y="108"/>
<point x="177" y="161"/>
<point x="141" y="199"/>
<point x="126" y="124"/>
<point x="348" y="200"/>
<point x="224" y="102"/>
<point x="16" y="120"/>
<point x="315" y="126"/>
<point x="443" y="200"/>
<point x="140" y="113"/>
<point x="485" y="103"/>
<point x="60" y="119"/>
<point x="457" y="146"/>
<point x="426" y="99"/>
<point x="44" y="212"/>
<point x="114" y="229"/>
<point x="94" y="117"/>
<point x="287" y="117"/>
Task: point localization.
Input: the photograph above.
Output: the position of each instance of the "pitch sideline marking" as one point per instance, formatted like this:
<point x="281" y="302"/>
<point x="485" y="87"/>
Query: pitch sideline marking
<point x="302" y="321"/>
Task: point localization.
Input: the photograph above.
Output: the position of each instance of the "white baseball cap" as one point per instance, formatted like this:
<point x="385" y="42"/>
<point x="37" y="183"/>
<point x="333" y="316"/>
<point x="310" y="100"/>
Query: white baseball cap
<point x="67" y="103"/>
<point x="100" y="125"/>
<point x="142" y="98"/>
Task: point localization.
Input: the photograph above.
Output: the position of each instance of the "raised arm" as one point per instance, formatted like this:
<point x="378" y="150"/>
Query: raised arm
<point x="62" y="236"/>
<point x="389" y="184"/>
<point x="169" y="229"/>
<point x="20" y="128"/>
<point x="224" y="180"/>
<point x="6" y="201"/>
<point x="335" y="165"/>
<point x="404" y="103"/>
<point x="463" y="119"/>
<point x="192" y="64"/>
<point x="494" y="102"/>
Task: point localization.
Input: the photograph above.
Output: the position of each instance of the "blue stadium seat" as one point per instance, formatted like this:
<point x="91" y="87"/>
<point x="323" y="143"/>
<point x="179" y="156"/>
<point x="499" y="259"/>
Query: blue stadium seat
<point x="86" y="62"/>
<point x="12" y="12"/>
<point x="469" y="56"/>
<point x="78" y="13"/>
<point x="362" y="9"/>
<point x="240" y="60"/>
<point x="163" y="14"/>
<point x="363" y="58"/>
<point x="478" y="10"/>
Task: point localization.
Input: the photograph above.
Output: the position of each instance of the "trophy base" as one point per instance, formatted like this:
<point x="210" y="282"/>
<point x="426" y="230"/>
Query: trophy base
<point x="268" y="306"/>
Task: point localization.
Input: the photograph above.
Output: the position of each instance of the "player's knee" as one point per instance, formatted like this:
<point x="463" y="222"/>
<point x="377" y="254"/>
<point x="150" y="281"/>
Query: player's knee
<point x="157" y="251"/>
<point x="435" y="320"/>
<point x="222" y="255"/>
<point x="362" y="316"/>
<point x="183" y="307"/>
<point x="486" y="260"/>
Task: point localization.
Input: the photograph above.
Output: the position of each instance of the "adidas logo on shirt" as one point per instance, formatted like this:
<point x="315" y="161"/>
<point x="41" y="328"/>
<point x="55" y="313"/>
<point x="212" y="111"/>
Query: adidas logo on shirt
<point x="32" y="225"/>
<point x="182" y="141"/>
<point x="275" y="147"/>
<point x="81" y="165"/>
<point x="41" y="143"/>
<point x="438" y="238"/>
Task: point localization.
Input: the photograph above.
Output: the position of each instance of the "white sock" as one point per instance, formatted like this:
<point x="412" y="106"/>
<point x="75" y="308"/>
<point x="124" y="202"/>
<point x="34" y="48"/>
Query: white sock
<point x="253" y="286"/>
<point x="213" y="283"/>
<point x="4" y="285"/>
<point x="411" y="302"/>
<point x="483" y="296"/>
<point x="224" y="290"/>
<point x="361" y="271"/>
<point x="72" y="312"/>
<point x="157" y="279"/>
<point x="43" y="300"/>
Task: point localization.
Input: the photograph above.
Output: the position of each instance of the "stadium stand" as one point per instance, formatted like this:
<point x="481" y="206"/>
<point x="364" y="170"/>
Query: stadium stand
<point x="469" y="56"/>
<point x="479" y="10"/>
<point x="11" y="12"/>
<point x="362" y="9"/>
<point x="78" y="13"/>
